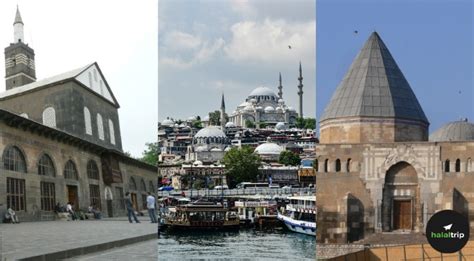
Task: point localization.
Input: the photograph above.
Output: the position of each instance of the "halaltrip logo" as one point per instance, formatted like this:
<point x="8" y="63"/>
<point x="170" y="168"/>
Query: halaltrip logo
<point x="447" y="231"/>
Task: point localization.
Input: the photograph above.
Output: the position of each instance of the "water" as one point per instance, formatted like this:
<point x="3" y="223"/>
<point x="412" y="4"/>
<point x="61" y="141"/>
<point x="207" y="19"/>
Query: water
<point x="243" y="245"/>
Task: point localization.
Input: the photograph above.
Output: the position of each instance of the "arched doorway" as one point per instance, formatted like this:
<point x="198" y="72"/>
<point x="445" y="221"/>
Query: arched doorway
<point x="400" y="198"/>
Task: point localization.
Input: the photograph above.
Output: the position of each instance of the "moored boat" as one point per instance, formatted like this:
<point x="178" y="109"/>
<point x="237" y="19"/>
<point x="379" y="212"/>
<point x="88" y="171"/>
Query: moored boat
<point x="300" y="215"/>
<point x="199" y="217"/>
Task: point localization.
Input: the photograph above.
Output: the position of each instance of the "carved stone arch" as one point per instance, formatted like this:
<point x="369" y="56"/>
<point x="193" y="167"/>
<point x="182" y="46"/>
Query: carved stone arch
<point x="394" y="157"/>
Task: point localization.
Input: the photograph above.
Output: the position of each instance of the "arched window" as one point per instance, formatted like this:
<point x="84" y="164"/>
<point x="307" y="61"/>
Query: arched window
<point x="338" y="165"/>
<point x="316" y="165"/>
<point x="151" y="186"/>
<point x="92" y="170"/>
<point x="446" y="166"/>
<point x="46" y="166"/>
<point x="14" y="160"/>
<point x="348" y="165"/>
<point x="458" y="165"/>
<point x="143" y="186"/>
<point x="70" y="171"/>
<point x="87" y="121"/>
<point x="49" y="117"/>
<point x="133" y="184"/>
<point x="112" y="132"/>
<point x="100" y="126"/>
<point x="326" y="163"/>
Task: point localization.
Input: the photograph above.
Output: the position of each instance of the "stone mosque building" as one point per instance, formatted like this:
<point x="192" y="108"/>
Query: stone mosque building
<point x="60" y="141"/>
<point x="378" y="170"/>
<point x="264" y="106"/>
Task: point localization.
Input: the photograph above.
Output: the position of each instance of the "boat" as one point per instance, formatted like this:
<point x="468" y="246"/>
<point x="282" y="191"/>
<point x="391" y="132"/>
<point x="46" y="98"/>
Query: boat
<point x="200" y="216"/>
<point x="254" y="211"/>
<point x="300" y="215"/>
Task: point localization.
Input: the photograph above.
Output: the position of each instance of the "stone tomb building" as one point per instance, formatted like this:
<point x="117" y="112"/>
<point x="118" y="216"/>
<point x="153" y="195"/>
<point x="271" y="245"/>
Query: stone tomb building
<point x="377" y="169"/>
<point x="60" y="141"/>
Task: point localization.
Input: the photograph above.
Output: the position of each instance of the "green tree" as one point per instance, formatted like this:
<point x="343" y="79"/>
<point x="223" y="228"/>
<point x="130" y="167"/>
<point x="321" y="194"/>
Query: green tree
<point x="300" y="122"/>
<point x="215" y="118"/>
<point x="263" y="125"/>
<point x="289" y="158"/>
<point x="249" y="124"/>
<point x="241" y="165"/>
<point x="310" y="123"/>
<point x="197" y="124"/>
<point x="150" y="154"/>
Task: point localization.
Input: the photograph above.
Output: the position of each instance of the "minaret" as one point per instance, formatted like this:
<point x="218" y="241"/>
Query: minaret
<point x="300" y="92"/>
<point x="19" y="58"/>
<point x="222" y="112"/>
<point x="280" y="90"/>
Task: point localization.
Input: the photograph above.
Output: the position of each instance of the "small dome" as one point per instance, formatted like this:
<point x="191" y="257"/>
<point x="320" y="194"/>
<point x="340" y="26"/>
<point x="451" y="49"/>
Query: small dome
<point x="269" y="109"/>
<point x="249" y="108"/>
<point x="454" y="131"/>
<point x="201" y="149"/>
<point x="279" y="109"/>
<point x="229" y="125"/>
<point x="211" y="131"/>
<point x="280" y="101"/>
<point x="262" y="91"/>
<point x="216" y="149"/>
<point x="259" y="108"/>
<point x="197" y="163"/>
<point x="291" y="108"/>
<point x="268" y="149"/>
<point x="280" y="126"/>
<point x="168" y="123"/>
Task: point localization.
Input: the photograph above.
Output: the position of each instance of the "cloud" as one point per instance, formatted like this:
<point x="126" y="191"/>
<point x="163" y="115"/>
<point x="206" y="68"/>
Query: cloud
<point x="178" y="41"/>
<point x="268" y="41"/>
<point x="204" y="52"/>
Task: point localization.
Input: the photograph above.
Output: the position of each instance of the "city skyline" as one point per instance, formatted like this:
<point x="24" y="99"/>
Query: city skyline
<point x="241" y="46"/>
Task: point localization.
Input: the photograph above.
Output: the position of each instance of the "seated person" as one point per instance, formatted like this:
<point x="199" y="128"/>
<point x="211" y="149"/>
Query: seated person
<point x="11" y="215"/>
<point x="95" y="211"/>
<point x="70" y="210"/>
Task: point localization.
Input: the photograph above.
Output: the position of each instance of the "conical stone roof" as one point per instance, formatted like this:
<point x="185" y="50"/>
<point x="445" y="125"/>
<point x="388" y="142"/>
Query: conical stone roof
<point x="18" y="16"/>
<point x="374" y="86"/>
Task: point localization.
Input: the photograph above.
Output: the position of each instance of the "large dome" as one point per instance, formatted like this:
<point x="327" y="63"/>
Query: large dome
<point x="168" y="123"/>
<point x="210" y="132"/>
<point x="268" y="149"/>
<point x="454" y="131"/>
<point x="262" y="91"/>
<point x="374" y="86"/>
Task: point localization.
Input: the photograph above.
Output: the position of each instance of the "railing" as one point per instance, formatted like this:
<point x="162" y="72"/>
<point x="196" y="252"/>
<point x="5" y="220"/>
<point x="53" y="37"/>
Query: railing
<point x="240" y="192"/>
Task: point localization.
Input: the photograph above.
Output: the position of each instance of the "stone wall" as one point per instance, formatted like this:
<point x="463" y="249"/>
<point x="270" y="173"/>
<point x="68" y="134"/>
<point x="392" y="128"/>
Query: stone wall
<point x="371" y="130"/>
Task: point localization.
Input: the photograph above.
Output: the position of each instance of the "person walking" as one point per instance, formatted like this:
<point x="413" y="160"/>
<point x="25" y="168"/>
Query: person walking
<point x="130" y="210"/>
<point x="150" y="205"/>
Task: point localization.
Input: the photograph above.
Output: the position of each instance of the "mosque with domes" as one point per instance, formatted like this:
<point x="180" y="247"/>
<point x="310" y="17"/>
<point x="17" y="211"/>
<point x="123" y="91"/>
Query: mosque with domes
<point x="377" y="169"/>
<point x="264" y="106"/>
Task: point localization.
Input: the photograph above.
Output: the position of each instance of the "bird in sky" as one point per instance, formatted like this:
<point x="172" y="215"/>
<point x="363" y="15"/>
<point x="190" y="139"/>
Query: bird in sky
<point x="289" y="46"/>
<point x="356" y="32"/>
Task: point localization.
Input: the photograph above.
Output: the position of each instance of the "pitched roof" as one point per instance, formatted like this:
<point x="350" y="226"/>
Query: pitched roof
<point x="374" y="86"/>
<point x="76" y="74"/>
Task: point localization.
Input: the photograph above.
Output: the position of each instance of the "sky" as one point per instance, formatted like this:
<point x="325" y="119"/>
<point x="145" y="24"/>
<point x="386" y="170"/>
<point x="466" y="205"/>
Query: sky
<point x="431" y="41"/>
<point x="211" y="47"/>
<point x="121" y="36"/>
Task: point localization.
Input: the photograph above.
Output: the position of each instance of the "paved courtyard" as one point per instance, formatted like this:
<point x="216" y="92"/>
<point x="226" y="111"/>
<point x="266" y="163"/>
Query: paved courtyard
<point x="38" y="238"/>
<point x="140" y="251"/>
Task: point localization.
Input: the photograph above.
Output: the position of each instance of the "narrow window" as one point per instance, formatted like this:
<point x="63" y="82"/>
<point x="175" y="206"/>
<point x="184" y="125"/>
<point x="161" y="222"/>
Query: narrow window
<point x="100" y="127"/>
<point x="446" y="166"/>
<point x="87" y="121"/>
<point x="48" y="196"/>
<point x="16" y="199"/>
<point x="49" y="117"/>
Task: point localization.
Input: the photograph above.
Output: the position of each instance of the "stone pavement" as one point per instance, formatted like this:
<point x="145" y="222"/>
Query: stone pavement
<point x="29" y="239"/>
<point x="140" y="251"/>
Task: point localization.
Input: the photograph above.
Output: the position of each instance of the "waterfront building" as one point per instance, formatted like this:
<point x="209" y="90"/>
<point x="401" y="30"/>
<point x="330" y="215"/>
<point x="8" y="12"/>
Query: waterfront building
<point x="377" y="169"/>
<point x="60" y="141"/>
